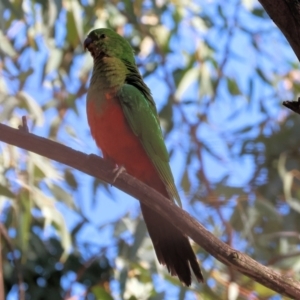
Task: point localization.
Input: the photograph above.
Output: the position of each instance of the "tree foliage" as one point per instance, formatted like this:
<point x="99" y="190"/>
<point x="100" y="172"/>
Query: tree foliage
<point x="218" y="74"/>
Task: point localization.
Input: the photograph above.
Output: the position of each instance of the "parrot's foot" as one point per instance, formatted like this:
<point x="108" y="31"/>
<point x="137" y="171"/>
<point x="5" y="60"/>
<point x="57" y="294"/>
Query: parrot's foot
<point x="117" y="171"/>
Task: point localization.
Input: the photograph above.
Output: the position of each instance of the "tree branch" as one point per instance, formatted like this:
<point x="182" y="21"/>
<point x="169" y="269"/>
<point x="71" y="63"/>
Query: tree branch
<point x="97" y="167"/>
<point x="293" y="105"/>
<point x="286" y="15"/>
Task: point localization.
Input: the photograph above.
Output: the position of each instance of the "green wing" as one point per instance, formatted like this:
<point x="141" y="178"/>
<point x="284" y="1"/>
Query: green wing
<point x="142" y="118"/>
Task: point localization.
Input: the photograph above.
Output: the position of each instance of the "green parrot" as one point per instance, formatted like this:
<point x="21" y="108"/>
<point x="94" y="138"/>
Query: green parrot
<point x="124" y="123"/>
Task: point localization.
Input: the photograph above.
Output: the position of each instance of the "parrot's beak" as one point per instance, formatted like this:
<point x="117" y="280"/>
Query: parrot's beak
<point x="87" y="42"/>
<point x="90" y="46"/>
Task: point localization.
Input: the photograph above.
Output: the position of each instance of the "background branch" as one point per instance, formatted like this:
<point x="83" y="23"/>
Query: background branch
<point x="96" y="166"/>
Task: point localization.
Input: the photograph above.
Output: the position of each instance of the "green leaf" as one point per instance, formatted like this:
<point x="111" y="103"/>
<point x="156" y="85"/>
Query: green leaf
<point x="158" y="296"/>
<point x="32" y="106"/>
<point x="54" y="127"/>
<point x="262" y="291"/>
<point x="24" y="221"/>
<point x="100" y="293"/>
<point x="162" y="36"/>
<point x="6" y="45"/>
<point x="139" y="236"/>
<point x="261" y="74"/>
<point x="206" y="84"/>
<point x="61" y="195"/>
<point x="70" y="179"/>
<point x="166" y="114"/>
<point x="233" y="87"/>
<point x="7" y="107"/>
<point x="74" y="23"/>
<point x="54" y="60"/>
<point x="259" y="12"/>
<point x="53" y="217"/>
<point x="43" y="166"/>
<point x="4" y="191"/>
<point x="185" y="182"/>
<point x="188" y="78"/>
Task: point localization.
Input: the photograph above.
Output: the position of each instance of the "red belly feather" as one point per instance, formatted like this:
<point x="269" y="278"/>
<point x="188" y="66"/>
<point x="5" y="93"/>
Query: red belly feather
<point x="117" y="141"/>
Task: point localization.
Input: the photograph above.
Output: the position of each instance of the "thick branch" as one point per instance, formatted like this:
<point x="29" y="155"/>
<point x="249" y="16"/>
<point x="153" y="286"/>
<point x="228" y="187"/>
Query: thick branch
<point x="97" y="167"/>
<point x="286" y="15"/>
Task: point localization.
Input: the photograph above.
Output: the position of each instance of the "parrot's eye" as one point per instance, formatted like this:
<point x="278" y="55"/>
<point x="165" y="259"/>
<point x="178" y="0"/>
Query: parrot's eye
<point x="102" y="36"/>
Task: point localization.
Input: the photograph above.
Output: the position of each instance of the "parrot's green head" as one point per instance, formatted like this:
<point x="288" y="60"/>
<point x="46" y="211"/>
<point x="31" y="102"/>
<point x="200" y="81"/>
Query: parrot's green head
<point x="105" y="42"/>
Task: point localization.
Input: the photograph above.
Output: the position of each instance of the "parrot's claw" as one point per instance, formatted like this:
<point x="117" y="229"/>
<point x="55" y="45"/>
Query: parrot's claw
<point x="117" y="171"/>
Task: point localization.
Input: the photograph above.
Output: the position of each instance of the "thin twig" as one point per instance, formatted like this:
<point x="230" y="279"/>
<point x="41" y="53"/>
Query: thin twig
<point x="24" y="125"/>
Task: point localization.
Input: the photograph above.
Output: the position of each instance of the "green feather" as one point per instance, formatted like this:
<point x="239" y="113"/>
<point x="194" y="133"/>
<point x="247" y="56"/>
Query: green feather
<point x="143" y="121"/>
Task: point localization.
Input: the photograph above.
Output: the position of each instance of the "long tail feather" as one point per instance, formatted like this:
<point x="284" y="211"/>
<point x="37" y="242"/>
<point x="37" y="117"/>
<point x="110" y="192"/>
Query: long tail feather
<point x="172" y="248"/>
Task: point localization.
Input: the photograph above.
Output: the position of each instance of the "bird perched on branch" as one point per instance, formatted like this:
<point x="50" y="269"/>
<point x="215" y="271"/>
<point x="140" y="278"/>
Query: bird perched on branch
<point x="124" y="123"/>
